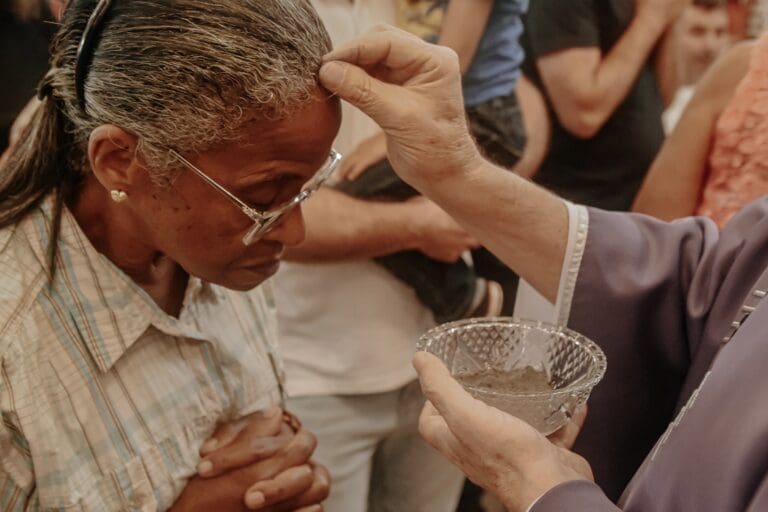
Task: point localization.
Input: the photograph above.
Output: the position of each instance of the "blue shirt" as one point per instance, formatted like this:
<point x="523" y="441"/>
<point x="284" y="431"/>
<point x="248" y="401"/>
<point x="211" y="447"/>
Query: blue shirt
<point x="496" y="65"/>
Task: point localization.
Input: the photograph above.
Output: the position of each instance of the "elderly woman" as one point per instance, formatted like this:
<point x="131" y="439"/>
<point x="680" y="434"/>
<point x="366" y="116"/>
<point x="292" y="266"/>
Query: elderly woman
<point x="680" y="309"/>
<point x="159" y="176"/>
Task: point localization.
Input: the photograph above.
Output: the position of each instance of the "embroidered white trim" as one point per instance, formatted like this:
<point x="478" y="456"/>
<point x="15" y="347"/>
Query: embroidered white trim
<point x="574" y="253"/>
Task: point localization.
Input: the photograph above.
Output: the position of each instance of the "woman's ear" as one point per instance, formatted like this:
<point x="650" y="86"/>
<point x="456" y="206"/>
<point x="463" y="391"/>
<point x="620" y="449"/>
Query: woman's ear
<point x="113" y="158"/>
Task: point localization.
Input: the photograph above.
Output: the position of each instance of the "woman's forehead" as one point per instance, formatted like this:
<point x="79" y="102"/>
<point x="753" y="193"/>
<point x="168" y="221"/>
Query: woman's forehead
<point x="307" y="130"/>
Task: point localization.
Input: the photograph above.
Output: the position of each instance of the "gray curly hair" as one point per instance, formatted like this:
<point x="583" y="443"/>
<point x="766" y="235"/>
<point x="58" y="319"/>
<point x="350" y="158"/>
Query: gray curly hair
<point x="183" y="74"/>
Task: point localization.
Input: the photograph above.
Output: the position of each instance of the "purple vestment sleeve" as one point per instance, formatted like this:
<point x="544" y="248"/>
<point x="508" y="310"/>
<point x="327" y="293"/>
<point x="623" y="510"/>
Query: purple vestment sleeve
<point x="575" y="496"/>
<point x="759" y="502"/>
<point x="658" y="298"/>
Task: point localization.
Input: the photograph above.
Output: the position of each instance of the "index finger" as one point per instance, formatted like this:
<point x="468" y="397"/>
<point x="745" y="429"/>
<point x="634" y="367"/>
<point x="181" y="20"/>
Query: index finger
<point x="384" y="44"/>
<point x="393" y="56"/>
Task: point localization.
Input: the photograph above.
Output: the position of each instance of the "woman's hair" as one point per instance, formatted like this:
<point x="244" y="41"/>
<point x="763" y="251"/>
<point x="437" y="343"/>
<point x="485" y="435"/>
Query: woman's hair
<point x="181" y="74"/>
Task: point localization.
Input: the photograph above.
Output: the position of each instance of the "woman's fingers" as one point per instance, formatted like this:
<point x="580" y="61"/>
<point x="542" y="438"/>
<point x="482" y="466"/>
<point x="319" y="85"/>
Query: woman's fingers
<point x="288" y="484"/>
<point x="297" y="453"/>
<point x="249" y="447"/>
<point x="262" y="423"/>
<point x="293" y="490"/>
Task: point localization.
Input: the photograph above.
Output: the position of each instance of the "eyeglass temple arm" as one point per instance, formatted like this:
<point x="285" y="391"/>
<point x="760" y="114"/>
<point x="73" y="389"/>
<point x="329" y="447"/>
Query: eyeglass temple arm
<point x="237" y="202"/>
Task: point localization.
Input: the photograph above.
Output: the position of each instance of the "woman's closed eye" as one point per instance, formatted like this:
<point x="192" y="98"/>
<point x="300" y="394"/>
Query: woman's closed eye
<point x="274" y="193"/>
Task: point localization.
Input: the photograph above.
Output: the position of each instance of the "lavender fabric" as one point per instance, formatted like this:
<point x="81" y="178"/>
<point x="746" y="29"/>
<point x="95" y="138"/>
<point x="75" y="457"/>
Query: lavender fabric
<point x="691" y="408"/>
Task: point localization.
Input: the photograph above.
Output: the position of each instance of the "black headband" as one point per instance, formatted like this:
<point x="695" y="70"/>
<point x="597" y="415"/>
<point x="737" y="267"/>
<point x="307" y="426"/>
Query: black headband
<point x="85" y="49"/>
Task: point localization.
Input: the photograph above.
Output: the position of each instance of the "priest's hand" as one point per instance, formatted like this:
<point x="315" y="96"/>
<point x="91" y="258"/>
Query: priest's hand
<point x="413" y="91"/>
<point x="499" y="452"/>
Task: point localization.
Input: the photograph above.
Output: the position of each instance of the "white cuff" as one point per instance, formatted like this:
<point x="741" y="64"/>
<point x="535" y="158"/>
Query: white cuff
<point x="578" y="219"/>
<point x="531" y="305"/>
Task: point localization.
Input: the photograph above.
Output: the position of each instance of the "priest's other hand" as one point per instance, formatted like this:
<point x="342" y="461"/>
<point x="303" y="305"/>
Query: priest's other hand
<point x="499" y="452"/>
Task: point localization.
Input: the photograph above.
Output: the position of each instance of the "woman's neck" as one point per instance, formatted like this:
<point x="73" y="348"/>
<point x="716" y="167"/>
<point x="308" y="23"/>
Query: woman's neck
<point x="116" y="234"/>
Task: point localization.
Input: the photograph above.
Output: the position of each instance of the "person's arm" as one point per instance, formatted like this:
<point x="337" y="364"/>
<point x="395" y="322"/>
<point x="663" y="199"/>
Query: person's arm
<point x="340" y="227"/>
<point x="537" y="128"/>
<point x="584" y="85"/>
<point x="667" y="67"/>
<point x="367" y="153"/>
<point x="672" y="188"/>
<point x="463" y="27"/>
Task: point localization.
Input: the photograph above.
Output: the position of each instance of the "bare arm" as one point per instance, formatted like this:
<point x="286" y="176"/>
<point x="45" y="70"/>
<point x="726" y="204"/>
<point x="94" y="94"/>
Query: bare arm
<point x="673" y="186"/>
<point x="667" y="65"/>
<point x="340" y="227"/>
<point x="463" y="27"/>
<point x="586" y="87"/>
<point x="537" y="128"/>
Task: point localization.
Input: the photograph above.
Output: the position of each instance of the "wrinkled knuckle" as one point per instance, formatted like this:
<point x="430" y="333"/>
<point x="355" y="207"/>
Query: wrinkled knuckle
<point x="362" y="94"/>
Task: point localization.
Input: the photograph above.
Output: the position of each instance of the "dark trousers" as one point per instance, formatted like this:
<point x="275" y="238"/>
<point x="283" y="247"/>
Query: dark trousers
<point x="449" y="288"/>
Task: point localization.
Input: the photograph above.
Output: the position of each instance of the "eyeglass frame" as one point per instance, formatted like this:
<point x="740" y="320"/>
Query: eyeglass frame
<point x="263" y="221"/>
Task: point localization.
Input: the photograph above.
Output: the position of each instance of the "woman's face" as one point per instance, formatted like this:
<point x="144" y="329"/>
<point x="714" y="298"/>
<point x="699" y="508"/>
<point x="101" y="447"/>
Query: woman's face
<point x="195" y="225"/>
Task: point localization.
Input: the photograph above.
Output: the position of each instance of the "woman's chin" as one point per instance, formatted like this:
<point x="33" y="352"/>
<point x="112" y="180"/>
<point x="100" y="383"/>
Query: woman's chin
<point x="248" y="278"/>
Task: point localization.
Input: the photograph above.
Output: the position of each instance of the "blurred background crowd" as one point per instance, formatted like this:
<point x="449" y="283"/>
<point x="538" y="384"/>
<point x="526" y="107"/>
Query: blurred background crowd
<point x="622" y="104"/>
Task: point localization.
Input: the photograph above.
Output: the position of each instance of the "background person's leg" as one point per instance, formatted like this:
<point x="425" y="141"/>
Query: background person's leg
<point x="349" y="428"/>
<point x="408" y="475"/>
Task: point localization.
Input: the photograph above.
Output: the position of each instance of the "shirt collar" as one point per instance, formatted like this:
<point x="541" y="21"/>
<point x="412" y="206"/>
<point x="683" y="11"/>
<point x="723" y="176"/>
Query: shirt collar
<point x="110" y="310"/>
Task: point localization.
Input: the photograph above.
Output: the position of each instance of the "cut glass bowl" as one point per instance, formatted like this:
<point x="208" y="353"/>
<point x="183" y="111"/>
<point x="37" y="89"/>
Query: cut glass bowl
<point x="535" y="371"/>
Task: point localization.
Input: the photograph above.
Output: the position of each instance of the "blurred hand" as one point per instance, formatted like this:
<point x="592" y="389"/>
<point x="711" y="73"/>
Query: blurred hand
<point x="497" y="451"/>
<point x="666" y="11"/>
<point x="369" y="152"/>
<point x="413" y="91"/>
<point x="259" y="462"/>
<point x="436" y="233"/>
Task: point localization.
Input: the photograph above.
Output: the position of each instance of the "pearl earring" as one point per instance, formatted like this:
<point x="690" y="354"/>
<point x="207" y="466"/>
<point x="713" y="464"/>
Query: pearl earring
<point x="118" y="196"/>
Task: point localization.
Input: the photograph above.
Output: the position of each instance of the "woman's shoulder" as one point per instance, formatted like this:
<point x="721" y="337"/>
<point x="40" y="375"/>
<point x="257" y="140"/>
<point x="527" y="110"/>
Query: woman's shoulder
<point x="22" y="276"/>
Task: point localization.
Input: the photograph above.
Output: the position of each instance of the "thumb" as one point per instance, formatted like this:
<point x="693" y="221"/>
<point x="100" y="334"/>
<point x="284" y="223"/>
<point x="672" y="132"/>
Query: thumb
<point x="354" y="85"/>
<point x="447" y="396"/>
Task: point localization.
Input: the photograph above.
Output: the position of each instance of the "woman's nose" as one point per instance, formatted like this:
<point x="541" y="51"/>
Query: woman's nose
<point x="290" y="230"/>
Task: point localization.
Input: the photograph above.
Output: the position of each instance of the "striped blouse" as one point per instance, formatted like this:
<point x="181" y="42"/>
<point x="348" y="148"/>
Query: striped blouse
<point x="106" y="399"/>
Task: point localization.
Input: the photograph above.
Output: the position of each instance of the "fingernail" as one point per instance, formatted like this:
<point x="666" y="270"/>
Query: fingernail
<point x="332" y="74"/>
<point x="204" y="467"/>
<point x="210" y="445"/>
<point x="254" y="499"/>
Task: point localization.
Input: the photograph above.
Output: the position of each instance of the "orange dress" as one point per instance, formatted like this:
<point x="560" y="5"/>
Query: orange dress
<point x="738" y="163"/>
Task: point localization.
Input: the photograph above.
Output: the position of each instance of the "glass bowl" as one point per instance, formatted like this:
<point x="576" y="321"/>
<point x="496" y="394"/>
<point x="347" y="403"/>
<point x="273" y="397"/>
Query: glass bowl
<point x="535" y="371"/>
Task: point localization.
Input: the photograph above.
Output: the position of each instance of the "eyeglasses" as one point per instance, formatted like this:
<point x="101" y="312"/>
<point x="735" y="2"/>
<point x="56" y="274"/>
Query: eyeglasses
<point x="86" y="48"/>
<point x="263" y="221"/>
